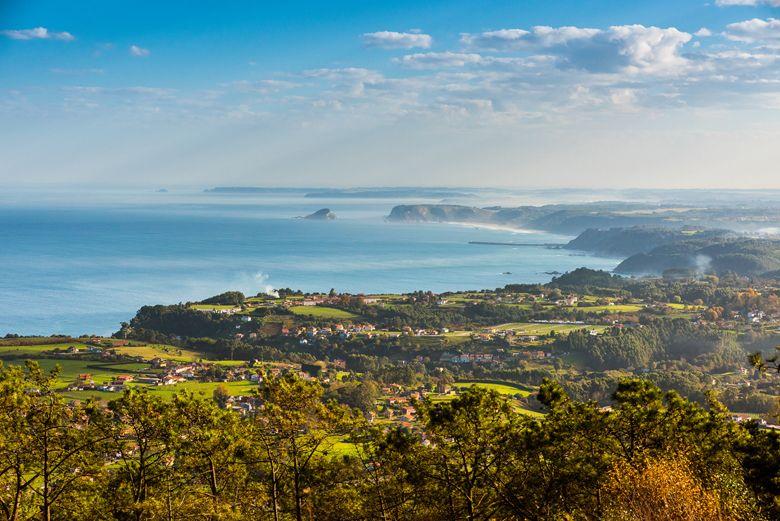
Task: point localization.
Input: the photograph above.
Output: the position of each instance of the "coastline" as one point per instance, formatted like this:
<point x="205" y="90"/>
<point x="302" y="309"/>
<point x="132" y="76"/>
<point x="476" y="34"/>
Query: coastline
<point x="493" y="227"/>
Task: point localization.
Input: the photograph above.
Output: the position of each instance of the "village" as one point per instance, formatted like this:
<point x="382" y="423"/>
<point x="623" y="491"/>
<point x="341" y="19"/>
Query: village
<point x="419" y="346"/>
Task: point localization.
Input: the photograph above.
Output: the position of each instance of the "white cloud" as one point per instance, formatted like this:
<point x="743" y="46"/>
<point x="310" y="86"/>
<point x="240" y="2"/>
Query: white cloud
<point x="632" y="48"/>
<point x="755" y="30"/>
<point x="37" y="33"/>
<point x="396" y="40"/>
<point x="139" y="51"/>
<point x="435" y="60"/>
<point x="439" y="59"/>
<point x="650" y="49"/>
<point x="729" y="3"/>
<point x="540" y="36"/>
<point x="703" y="33"/>
<point x="623" y="98"/>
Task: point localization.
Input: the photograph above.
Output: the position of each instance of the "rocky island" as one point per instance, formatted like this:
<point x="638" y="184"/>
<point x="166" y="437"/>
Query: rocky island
<point x="323" y="214"/>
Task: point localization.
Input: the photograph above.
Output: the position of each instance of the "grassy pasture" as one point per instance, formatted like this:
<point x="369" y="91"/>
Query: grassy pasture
<point x="212" y="307"/>
<point x="323" y="312"/>
<point x="527" y="328"/>
<point x="507" y="389"/>
<point x="70" y="369"/>
<point x="501" y="388"/>
<point x="616" y="308"/>
<point x="206" y="388"/>
<point x="167" y="392"/>
<point x="165" y="352"/>
<point x="37" y="349"/>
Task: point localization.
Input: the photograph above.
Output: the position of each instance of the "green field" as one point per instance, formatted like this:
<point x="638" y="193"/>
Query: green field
<point x="322" y="312"/>
<point x="104" y="373"/>
<point x="529" y="412"/>
<point x="684" y="307"/>
<point x="36" y="349"/>
<point x="165" y="352"/>
<point x="129" y="367"/>
<point x="211" y="307"/>
<point x="507" y="389"/>
<point x="526" y="328"/>
<point x="70" y="369"/>
<point x="616" y="308"/>
<point x="206" y="388"/>
<point x="338" y="446"/>
<point x="501" y="388"/>
<point x="168" y="391"/>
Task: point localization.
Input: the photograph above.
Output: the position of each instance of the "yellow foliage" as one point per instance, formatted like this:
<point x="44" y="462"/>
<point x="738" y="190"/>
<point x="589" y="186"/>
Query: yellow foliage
<point x="663" y="490"/>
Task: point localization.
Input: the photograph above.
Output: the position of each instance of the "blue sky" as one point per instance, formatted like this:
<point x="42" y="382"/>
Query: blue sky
<point x="517" y="93"/>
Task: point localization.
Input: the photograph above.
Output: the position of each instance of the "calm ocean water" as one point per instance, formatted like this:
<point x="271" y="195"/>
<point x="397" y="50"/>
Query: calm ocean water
<point x="84" y="263"/>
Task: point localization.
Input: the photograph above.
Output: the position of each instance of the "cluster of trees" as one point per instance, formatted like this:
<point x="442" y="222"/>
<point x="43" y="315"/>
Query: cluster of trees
<point x="228" y="298"/>
<point x="164" y="323"/>
<point x="584" y="280"/>
<point x="731" y="293"/>
<point x="652" y="456"/>
<point x="655" y="340"/>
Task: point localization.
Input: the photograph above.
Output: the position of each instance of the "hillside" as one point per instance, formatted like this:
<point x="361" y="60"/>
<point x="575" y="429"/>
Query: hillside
<point x="569" y="219"/>
<point x="440" y="213"/>
<point x="741" y="256"/>
<point x="573" y="219"/>
<point x="630" y="241"/>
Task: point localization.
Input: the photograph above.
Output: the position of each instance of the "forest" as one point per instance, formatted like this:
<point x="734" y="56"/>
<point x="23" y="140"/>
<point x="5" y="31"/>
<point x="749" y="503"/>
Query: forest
<point x="299" y="455"/>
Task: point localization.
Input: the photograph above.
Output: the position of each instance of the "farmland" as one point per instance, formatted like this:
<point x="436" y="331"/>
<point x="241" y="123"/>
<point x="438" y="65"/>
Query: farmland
<point x="526" y="328"/>
<point x="150" y="351"/>
<point x="322" y="312"/>
<point x="501" y="388"/>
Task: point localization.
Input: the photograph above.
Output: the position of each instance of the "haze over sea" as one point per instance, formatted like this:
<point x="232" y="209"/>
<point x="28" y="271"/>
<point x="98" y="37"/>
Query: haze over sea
<point x="76" y="263"/>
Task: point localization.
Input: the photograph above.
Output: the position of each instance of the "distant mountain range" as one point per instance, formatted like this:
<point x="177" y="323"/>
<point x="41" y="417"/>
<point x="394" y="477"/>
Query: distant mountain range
<point x="388" y="193"/>
<point x="653" y="239"/>
<point x="623" y="242"/>
<point x="743" y="256"/>
<point x="573" y="219"/>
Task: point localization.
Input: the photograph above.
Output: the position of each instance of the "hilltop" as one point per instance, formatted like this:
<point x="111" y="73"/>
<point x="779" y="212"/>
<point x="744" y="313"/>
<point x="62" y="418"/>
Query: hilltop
<point x="573" y="219"/>
<point x="741" y="256"/>
<point x="637" y="239"/>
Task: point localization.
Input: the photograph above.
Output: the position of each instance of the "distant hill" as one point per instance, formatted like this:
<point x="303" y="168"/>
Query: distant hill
<point x="625" y="242"/>
<point x="440" y="213"/>
<point x="254" y="190"/>
<point x="573" y="219"/>
<point x="569" y="219"/>
<point x="719" y="256"/>
<point x="387" y="193"/>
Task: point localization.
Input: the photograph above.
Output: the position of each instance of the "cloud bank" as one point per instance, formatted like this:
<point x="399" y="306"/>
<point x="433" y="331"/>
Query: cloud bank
<point x="633" y="48"/>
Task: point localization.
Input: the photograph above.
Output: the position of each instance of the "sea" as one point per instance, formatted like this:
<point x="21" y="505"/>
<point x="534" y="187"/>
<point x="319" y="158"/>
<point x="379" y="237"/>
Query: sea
<point x="81" y="262"/>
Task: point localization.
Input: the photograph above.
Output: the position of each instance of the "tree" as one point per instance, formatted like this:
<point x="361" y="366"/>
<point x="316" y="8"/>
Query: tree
<point x="297" y="428"/>
<point x="209" y="444"/>
<point x="221" y="394"/>
<point x="52" y="449"/>
<point x="554" y="466"/>
<point x="141" y="437"/>
<point x="228" y="298"/>
<point x="660" y="490"/>
<point x="468" y="437"/>
<point x="359" y="395"/>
